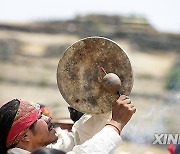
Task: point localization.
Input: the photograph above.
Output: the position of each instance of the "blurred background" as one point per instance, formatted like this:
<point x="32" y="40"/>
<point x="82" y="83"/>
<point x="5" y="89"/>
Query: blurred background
<point x="34" y="35"/>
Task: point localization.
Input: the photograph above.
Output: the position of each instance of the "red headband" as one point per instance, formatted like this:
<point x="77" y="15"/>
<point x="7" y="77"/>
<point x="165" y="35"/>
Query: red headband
<point x="26" y="115"/>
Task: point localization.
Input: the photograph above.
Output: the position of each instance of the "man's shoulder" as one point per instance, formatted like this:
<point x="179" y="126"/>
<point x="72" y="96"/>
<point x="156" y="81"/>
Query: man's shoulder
<point x="17" y="151"/>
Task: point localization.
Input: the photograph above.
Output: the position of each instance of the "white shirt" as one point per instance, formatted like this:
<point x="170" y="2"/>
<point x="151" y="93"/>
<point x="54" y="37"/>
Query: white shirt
<point x="89" y="137"/>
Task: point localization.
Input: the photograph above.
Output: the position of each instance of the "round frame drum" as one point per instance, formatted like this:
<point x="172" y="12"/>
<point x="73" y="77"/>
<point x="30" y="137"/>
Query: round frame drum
<point x="79" y="76"/>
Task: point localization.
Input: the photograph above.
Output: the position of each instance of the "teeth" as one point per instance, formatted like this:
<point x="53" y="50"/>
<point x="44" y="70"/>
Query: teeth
<point x="50" y="127"/>
<point x="56" y="134"/>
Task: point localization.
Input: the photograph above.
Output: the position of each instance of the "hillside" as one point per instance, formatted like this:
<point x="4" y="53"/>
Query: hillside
<point x="29" y="55"/>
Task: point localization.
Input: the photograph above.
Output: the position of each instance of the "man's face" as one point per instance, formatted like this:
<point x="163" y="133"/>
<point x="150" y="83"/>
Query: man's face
<point x="42" y="132"/>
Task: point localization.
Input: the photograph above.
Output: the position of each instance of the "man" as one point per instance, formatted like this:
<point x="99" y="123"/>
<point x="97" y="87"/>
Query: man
<point x="23" y="129"/>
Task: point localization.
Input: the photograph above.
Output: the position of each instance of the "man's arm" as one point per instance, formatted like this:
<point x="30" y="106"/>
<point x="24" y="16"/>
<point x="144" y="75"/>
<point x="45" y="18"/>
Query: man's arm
<point x="101" y="143"/>
<point x="109" y="137"/>
<point x="65" y="141"/>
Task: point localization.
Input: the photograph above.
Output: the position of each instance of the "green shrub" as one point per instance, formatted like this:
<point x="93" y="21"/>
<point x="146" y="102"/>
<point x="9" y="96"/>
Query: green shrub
<point x="173" y="79"/>
<point x="2" y="78"/>
<point x="43" y="82"/>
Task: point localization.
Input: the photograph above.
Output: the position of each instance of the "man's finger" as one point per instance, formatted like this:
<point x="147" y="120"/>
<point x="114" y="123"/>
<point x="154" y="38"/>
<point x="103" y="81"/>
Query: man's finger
<point x="127" y="101"/>
<point x="133" y="109"/>
<point x="122" y="97"/>
<point x="131" y="105"/>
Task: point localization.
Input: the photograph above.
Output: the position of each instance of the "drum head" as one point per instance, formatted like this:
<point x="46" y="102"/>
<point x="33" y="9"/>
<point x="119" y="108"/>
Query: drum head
<point x="79" y="77"/>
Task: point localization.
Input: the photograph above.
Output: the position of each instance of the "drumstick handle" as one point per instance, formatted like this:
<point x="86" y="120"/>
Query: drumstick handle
<point x="119" y="94"/>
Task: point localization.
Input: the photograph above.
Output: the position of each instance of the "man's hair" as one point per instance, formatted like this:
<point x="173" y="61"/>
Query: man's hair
<point x="45" y="150"/>
<point x="177" y="149"/>
<point x="74" y="114"/>
<point x="7" y="114"/>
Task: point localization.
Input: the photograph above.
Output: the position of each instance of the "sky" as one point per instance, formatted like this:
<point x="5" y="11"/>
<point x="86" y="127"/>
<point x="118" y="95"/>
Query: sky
<point x="164" y="15"/>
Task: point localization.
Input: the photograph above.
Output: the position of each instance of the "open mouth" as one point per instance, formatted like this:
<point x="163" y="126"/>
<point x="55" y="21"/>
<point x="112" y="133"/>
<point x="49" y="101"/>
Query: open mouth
<point x="50" y="125"/>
